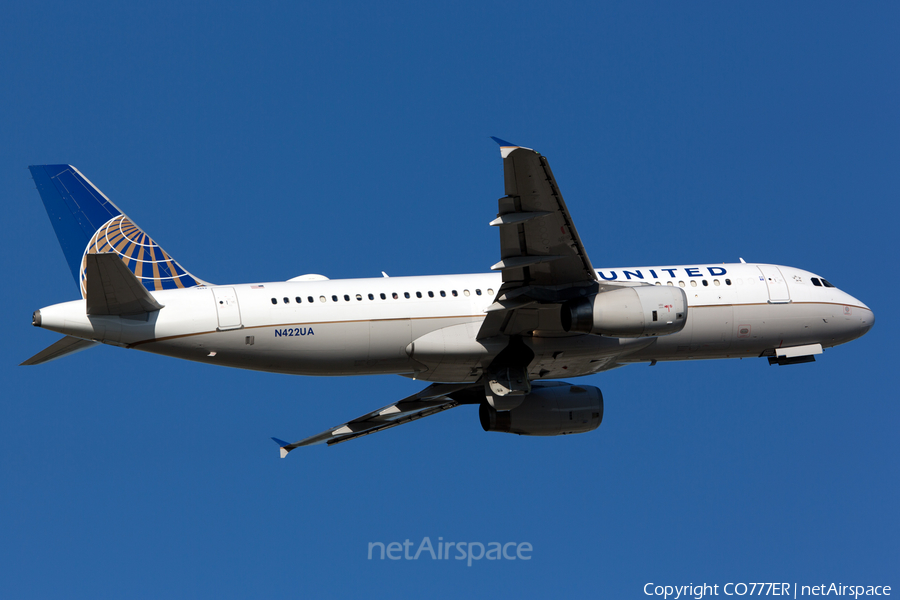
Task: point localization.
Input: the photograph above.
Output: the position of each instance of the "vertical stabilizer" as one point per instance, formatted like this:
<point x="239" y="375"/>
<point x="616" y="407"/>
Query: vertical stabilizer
<point x="87" y="222"/>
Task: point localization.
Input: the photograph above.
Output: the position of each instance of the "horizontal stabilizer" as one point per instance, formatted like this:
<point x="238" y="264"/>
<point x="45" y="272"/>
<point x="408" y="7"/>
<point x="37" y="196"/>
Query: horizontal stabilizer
<point x="112" y="289"/>
<point x="64" y="347"/>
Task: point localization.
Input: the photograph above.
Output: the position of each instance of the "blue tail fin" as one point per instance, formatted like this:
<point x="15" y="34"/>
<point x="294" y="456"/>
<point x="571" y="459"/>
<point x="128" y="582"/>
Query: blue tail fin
<point x="87" y="222"/>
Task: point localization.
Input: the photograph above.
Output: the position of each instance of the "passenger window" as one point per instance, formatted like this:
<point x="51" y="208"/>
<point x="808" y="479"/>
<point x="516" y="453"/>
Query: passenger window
<point x="443" y="294"/>
<point x="309" y="299"/>
<point x="394" y="296"/>
<point x="705" y="283"/>
<point x="670" y="283"/>
<point x="383" y="297"/>
<point x="371" y="297"/>
<point x="334" y="298"/>
<point x="286" y="300"/>
<point x="274" y="301"/>
<point x="490" y="292"/>
<point x="816" y="282"/>
<point x="727" y="282"/>
<point x="715" y="282"/>
<point x="406" y="295"/>
<point x="359" y="297"/>
<point x="299" y="300"/>
<point x="465" y="292"/>
<point x="681" y="283"/>
<point x="454" y="293"/>
<point x="658" y="283"/>
<point x="418" y="294"/>
<point x="477" y="292"/>
<point x="431" y="294"/>
<point x="321" y="298"/>
<point x="693" y="283"/>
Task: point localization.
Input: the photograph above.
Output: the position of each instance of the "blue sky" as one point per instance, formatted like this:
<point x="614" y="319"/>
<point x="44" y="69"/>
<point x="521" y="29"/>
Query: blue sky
<point x="258" y="143"/>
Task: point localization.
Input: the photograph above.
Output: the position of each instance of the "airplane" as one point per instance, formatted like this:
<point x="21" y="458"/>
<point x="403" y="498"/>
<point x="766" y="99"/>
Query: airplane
<point x="501" y="340"/>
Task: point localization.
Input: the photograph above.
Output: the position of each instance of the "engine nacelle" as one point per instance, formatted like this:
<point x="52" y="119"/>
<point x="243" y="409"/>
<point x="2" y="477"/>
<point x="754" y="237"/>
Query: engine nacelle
<point x="550" y="409"/>
<point x="642" y="311"/>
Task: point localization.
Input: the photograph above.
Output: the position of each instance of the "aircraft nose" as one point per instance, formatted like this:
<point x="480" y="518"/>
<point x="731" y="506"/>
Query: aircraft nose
<point x="851" y="319"/>
<point x="866" y="319"/>
<point x="858" y="317"/>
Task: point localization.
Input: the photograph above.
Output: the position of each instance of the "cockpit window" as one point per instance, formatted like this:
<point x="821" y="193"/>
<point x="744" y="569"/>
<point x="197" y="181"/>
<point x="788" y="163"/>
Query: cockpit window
<point x="816" y="282"/>
<point x="826" y="284"/>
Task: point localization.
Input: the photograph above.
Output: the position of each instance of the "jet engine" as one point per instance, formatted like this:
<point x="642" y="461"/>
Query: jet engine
<point x="642" y="311"/>
<point x="550" y="409"/>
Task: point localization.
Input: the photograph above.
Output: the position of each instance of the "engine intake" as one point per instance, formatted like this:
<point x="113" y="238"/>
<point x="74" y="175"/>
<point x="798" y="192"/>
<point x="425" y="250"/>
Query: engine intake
<point x="550" y="409"/>
<point x="643" y="311"/>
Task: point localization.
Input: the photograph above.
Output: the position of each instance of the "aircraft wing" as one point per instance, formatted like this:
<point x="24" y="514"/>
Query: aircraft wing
<point x="433" y="399"/>
<point x="543" y="259"/>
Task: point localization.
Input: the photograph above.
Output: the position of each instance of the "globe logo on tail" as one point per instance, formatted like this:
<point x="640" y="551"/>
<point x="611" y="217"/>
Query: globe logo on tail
<point x="151" y="264"/>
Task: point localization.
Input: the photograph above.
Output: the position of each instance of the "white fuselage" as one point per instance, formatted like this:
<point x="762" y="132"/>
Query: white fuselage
<point x="425" y="327"/>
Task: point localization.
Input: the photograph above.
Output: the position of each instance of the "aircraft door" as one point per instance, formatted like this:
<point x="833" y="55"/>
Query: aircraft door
<point x="778" y="289"/>
<point x="227" y="308"/>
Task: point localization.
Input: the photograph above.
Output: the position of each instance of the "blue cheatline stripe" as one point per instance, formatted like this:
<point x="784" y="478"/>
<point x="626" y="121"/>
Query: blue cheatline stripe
<point x="75" y="208"/>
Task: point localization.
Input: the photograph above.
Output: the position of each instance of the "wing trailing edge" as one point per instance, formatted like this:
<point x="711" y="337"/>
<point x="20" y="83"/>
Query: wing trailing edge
<point x="432" y="400"/>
